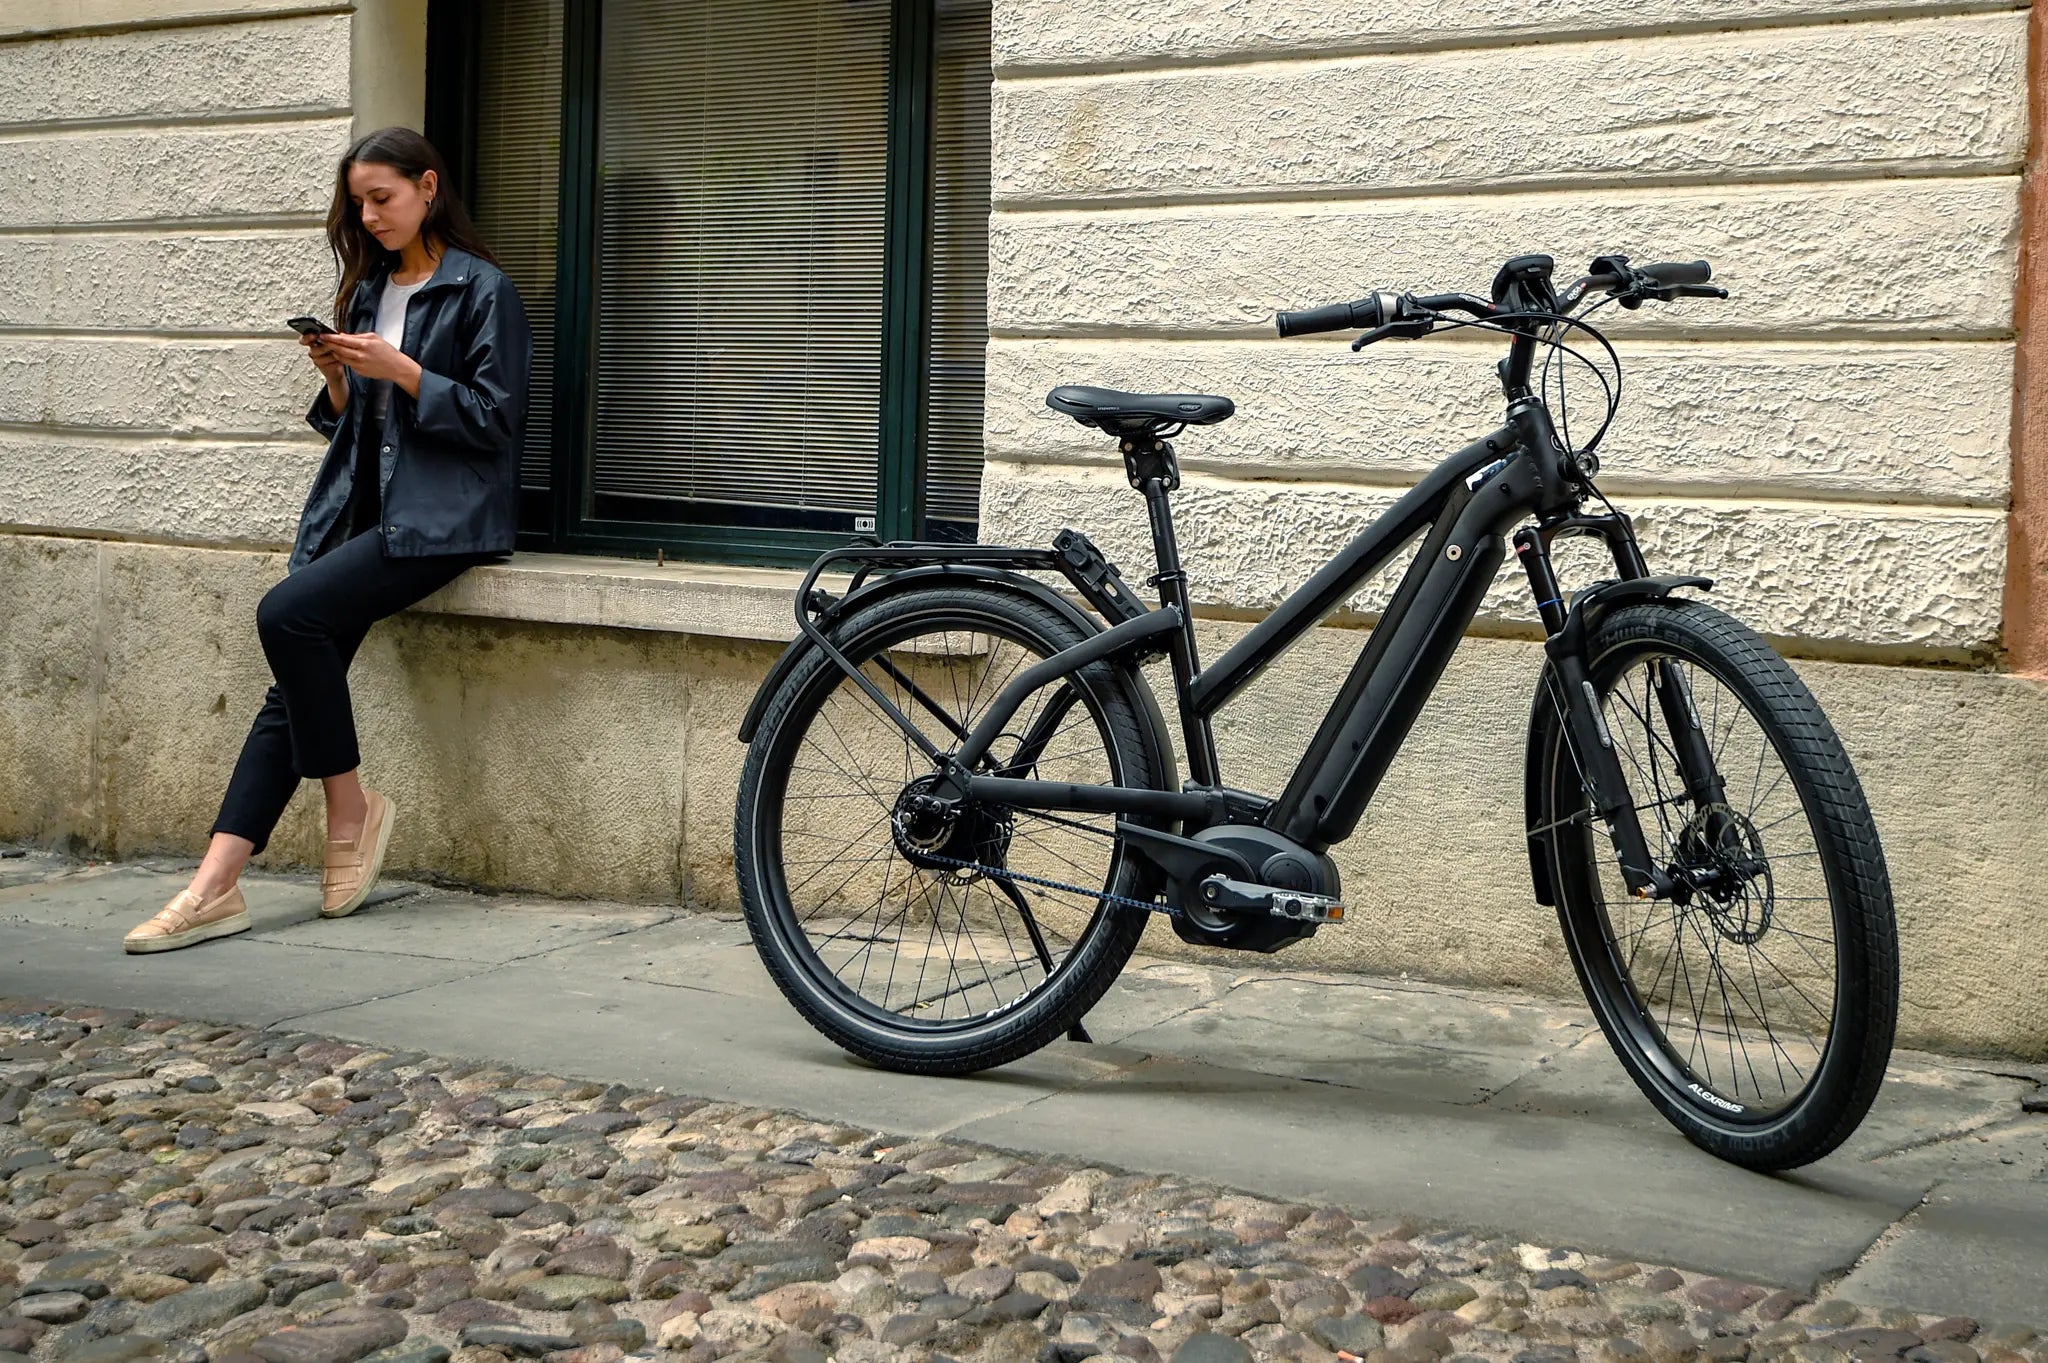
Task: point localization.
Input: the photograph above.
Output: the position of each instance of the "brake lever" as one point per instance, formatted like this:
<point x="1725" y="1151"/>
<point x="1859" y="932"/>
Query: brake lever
<point x="1671" y="293"/>
<point x="1407" y="327"/>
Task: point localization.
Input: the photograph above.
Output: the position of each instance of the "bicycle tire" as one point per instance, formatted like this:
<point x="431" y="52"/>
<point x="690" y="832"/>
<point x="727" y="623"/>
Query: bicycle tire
<point x="1098" y="952"/>
<point x="1846" y="852"/>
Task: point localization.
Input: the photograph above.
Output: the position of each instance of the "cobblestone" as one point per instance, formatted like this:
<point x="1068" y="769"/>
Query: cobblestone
<point x="191" y="1193"/>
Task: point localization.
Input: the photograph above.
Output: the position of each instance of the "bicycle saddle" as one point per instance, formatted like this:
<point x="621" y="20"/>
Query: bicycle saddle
<point x="1122" y="414"/>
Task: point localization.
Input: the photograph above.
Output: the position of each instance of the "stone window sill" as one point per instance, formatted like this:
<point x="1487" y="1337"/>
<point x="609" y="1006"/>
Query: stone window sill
<point x="617" y="593"/>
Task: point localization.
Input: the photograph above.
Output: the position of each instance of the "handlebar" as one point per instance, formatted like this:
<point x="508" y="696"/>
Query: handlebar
<point x="1670" y="275"/>
<point x="1371" y="311"/>
<point x="1381" y="314"/>
<point x="1613" y="273"/>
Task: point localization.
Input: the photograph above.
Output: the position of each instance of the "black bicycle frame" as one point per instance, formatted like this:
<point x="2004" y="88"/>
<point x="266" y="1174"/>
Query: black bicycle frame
<point x="1462" y="511"/>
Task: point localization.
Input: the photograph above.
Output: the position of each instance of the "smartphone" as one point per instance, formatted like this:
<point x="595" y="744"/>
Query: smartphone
<point x="310" y="326"/>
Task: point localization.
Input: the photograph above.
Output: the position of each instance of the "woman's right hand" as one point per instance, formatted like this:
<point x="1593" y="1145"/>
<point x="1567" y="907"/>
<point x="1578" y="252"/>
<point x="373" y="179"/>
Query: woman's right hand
<point x="331" y="369"/>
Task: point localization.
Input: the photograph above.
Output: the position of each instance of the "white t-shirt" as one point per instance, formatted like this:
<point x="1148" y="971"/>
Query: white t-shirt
<point x="391" y="326"/>
<point x="391" y="309"/>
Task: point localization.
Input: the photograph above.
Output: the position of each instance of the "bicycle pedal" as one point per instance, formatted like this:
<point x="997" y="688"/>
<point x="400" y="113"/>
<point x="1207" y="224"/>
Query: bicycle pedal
<point x="1306" y="908"/>
<point x="1300" y="906"/>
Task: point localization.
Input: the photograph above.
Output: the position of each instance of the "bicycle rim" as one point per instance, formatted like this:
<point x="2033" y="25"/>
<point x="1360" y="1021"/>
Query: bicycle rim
<point x="1733" y="985"/>
<point x="882" y="912"/>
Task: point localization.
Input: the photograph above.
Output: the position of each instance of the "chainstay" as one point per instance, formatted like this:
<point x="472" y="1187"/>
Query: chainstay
<point x="1019" y="878"/>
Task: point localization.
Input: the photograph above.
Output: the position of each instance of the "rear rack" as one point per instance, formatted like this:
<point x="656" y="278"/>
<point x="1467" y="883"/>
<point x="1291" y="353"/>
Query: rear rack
<point x="1073" y="555"/>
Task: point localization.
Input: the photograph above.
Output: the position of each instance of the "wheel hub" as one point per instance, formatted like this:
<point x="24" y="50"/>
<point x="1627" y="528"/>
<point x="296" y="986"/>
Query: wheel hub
<point x="1722" y="868"/>
<point x="933" y="832"/>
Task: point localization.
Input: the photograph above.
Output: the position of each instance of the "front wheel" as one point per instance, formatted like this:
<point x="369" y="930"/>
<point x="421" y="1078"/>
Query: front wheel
<point x="1755" y="1006"/>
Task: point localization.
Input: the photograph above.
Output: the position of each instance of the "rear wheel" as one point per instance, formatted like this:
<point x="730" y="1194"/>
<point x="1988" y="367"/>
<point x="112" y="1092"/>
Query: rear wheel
<point x="1756" y="1006"/>
<point x="926" y="946"/>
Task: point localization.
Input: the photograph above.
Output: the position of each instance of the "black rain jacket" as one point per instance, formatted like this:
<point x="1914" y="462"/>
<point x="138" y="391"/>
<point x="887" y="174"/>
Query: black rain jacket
<point x="449" y="461"/>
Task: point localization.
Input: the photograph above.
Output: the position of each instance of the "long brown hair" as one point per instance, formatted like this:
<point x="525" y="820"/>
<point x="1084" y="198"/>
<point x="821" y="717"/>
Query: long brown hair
<point x="357" y="255"/>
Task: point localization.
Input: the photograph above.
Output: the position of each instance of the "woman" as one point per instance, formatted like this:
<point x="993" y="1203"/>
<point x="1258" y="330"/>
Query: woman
<point x="424" y="409"/>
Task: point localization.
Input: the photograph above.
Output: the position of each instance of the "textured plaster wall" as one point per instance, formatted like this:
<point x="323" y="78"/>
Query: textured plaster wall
<point x="589" y="761"/>
<point x="163" y="173"/>
<point x="1833" y="444"/>
<point x="1068" y="35"/>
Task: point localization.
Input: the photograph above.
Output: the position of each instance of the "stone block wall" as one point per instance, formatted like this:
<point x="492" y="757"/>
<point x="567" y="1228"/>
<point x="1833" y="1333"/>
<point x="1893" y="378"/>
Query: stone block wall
<point x="164" y="172"/>
<point x="1832" y="444"/>
<point x="164" y="175"/>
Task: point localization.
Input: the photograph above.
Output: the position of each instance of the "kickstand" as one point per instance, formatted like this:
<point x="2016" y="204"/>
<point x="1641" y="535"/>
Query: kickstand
<point x="1076" y="1032"/>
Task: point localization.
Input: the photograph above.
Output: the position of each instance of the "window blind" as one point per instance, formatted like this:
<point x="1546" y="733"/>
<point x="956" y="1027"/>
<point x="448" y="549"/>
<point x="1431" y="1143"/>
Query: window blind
<point x="741" y="209"/>
<point x="955" y="374"/>
<point x="518" y="159"/>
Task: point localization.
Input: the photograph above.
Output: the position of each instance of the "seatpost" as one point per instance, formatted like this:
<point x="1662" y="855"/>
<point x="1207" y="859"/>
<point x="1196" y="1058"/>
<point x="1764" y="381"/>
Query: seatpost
<point x="1154" y="471"/>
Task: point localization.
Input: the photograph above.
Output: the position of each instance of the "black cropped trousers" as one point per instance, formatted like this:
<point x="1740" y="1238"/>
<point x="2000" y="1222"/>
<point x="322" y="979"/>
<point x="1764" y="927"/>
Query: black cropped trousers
<point x="311" y="625"/>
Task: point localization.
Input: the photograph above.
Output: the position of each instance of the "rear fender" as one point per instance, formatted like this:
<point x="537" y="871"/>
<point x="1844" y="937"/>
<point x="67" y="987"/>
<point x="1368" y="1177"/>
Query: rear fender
<point x="1158" y="736"/>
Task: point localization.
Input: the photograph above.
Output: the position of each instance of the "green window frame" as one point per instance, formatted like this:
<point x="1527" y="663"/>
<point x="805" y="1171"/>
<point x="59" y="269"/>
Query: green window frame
<point x="561" y="517"/>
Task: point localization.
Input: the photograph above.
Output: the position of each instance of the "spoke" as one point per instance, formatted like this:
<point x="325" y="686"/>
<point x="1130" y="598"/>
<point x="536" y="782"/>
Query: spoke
<point x="856" y="899"/>
<point x="1776" y="781"/>
<point x="1719" y="978"/>
<point x="886" y="849"/>
<point x="917" y="693"/>
<point x="865" y="778"/>
<point x="1779" y="1048"/>
<point x="1826" y="1015"/>
<point x="867" y="952"/>
<point x="1649" y="706"/>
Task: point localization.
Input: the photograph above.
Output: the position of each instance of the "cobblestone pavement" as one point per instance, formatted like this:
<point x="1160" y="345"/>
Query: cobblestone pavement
<point x="191" y="1192"/>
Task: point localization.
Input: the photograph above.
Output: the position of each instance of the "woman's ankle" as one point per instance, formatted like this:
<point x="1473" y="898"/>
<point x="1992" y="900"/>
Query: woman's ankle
<point x="211" y="885"/>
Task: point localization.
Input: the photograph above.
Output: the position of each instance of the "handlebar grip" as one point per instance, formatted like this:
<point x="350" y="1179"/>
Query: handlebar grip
<point x="1365" y="314"/>
<point x="1671" y="274"/>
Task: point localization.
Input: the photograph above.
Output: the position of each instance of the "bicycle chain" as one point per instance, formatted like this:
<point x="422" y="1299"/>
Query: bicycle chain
<point x="1019" y="878"/>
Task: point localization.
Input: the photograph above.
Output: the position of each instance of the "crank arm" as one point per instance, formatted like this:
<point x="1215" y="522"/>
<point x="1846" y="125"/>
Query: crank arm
<point x="1222" y="892"/>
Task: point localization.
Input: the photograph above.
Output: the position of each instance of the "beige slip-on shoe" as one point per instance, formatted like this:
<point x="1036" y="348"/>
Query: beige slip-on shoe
<point x="352" y="867"/>
<point x="187" y="921"/>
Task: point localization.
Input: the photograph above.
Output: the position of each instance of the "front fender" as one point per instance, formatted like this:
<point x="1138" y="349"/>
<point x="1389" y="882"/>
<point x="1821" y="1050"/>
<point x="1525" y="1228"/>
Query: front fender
<point x="1159" y="737"/>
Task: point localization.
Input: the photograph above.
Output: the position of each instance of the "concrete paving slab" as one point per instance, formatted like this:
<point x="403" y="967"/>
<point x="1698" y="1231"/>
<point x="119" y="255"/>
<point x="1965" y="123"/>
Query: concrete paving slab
<point x="1151" y="992"/>
<point x="1975" y="1250"/>
<point x="116" y="898"/>
<point x="1432" y="1044"/>
<point x="35" y="883"/>
<point x="237" y="979"/>
<point x="448" y="927"/>
<point x="583" y="1021"/>
<point x="30" y="866"/>
<point x="2012" y="1150"/>
<point x="705" y="952"/>
<point x="1566" y="1151"/>
<point x="1922" y="1101"/>
<point x="399" y="919"/>
<point x="1613" y="1191"/>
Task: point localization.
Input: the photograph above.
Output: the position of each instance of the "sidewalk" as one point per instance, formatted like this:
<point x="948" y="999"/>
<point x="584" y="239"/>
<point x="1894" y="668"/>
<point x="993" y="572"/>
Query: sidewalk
<point x="1476" y="1111"/>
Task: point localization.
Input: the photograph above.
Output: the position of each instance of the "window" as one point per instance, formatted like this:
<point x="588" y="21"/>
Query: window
<point x="753" y="238"/>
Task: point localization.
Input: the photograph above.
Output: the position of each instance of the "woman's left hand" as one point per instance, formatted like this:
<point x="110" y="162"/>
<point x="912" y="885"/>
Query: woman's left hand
<point x="373" y="357"/>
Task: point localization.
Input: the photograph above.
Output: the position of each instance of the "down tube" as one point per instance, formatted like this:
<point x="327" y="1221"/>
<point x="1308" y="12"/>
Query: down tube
<point x="1333" y="798"/>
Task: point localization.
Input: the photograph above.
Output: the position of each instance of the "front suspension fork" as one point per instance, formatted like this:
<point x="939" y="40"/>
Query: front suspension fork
<point x="1586" y="731"/>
